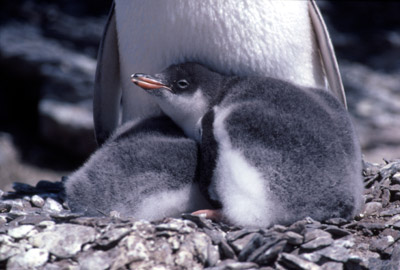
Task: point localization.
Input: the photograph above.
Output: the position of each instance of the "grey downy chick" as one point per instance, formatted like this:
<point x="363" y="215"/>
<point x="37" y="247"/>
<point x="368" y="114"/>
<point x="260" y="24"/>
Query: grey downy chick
<point x="146" y="170"/>
<point x="272" y="152"/>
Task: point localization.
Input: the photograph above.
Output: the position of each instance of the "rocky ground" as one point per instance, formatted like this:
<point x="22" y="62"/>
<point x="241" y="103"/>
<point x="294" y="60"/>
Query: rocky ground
<point x="37" y="231"/>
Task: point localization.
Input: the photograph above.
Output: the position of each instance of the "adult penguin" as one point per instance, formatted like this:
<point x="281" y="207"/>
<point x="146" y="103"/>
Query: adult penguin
<point x="281" y="39"/>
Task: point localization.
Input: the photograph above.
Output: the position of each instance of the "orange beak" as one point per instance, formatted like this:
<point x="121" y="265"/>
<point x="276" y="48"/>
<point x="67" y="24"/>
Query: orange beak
<point x="146" y="82"/>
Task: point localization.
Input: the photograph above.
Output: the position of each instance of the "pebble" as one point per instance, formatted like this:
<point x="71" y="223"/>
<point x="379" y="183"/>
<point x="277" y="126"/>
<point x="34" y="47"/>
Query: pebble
<point x="374" y="227"/>
<point x="37" y="201"/>
<point x="21" y="231"/>
<point x="372" y="208"/>
<point x="256" y="241"/>
<point x="390" y="212"/>
<point x="297" y="263"/>
<point x="4" y="208"/>
<point x="226" y="250"/>
<point x="336" y="232"/>
<point x="63" y="240"/>
<point x="200" y="221"/>
<point x="332" y="266"/>
<point x="316" y="239"/>
<point x="385" y="197"/>
<point x="52" y="206"/>
<point x="382" y="243"/>
<point x="312" y="257"/>
<point x="271" y="253"/>
<point x="3" y="219"/>
<point x="8" y="250"/>
<point x="239" y="243"/>
<point x="396" y="178"/>
<point x="233" y="265"/>
<point x="336" y="221"/>
<point x="135" y="247"/>
<point x="335" y="253"/>
<point x="32" y="259"/>
<point x="111" y="236"/>
<point x="294" y="238"/>
<point x="98" y="260"/>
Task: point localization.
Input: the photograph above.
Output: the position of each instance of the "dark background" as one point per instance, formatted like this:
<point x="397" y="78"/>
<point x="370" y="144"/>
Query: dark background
<point x="48" y="58"/>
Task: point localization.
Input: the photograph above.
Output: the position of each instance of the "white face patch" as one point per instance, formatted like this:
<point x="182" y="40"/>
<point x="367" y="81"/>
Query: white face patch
<point x="240" y="187"/>
<point x="185" y="110"/>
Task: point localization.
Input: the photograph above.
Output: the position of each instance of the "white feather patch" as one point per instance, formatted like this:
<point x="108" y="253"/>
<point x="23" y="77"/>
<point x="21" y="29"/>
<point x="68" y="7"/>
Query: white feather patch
<point x="185" y="110"/>
<point x="240" y="187"/>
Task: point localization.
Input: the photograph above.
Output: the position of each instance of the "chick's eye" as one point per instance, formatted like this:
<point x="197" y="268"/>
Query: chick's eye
<point x="183" y="83"/>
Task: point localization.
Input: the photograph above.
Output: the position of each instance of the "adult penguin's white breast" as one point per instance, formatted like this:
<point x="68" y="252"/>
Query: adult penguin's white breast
<point x="260" y="37"/>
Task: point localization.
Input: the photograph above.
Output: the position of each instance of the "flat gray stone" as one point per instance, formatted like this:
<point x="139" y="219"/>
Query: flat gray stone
<point x="296" y="263"/>
<point x="314" y="234"/>
<point x="234" y="265"/>
<point x="317" y="243"/>
<point x="396" y="178"/>
<point x="32" y="259"/>
<point x="335" y="253"/>
<point x="332" y="266"/>
<point x="316" y="239"/>
<point x="256" y="241"/>
<point x="62" y="265"/>
<point x="374" y="227"/>
<point x="7" y="251"/>
<point x="33" y="219"/>
<point x="4" y="208"/>
<point x="37" y="201"/>
<point x="64" y="240"/>
<point x="21" y="231"/>
<point x="336" y="231"/>
<point x="95" y="260"/>
<point x="385" y="197"/>
<point x="52" y="206"/>
<point x="271" y="253"/>
<point x="382" y="243"/>
<point x="294" y="238"/>
<point x="372" y="208"/>
<point x="233" y="236"/>
<point x="226" y="250"/>
<point x="201" y="243"/>
<point x="112" y="235"/>
<point x="336" y="221"/>
<point x="312" y="257"/>
<point x="240" y="242"/>
<point x="213" y="255"/>
<point x="390" y="212"/>
<point x="134" y="249"/>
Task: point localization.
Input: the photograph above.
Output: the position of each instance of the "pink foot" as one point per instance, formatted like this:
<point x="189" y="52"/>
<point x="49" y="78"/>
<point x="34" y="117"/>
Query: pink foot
<point x="212" y="214"/>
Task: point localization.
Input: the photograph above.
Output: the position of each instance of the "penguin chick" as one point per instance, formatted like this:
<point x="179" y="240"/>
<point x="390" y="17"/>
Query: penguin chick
<point x="146" y="170"/>
<point x="272" y="152"/>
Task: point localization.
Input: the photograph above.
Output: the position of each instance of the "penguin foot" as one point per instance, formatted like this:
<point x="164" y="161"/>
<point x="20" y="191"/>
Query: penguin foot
<point x="213" y="214"/>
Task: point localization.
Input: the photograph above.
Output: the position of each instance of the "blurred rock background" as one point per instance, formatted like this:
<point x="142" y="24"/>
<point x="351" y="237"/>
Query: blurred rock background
<point x="47" y="63"/>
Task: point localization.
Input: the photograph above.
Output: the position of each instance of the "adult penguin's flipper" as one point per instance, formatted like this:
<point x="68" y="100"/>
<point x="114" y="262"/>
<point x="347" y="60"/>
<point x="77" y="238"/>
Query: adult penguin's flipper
<point x="107" y="91"/>
<point x="329" y="61"/>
